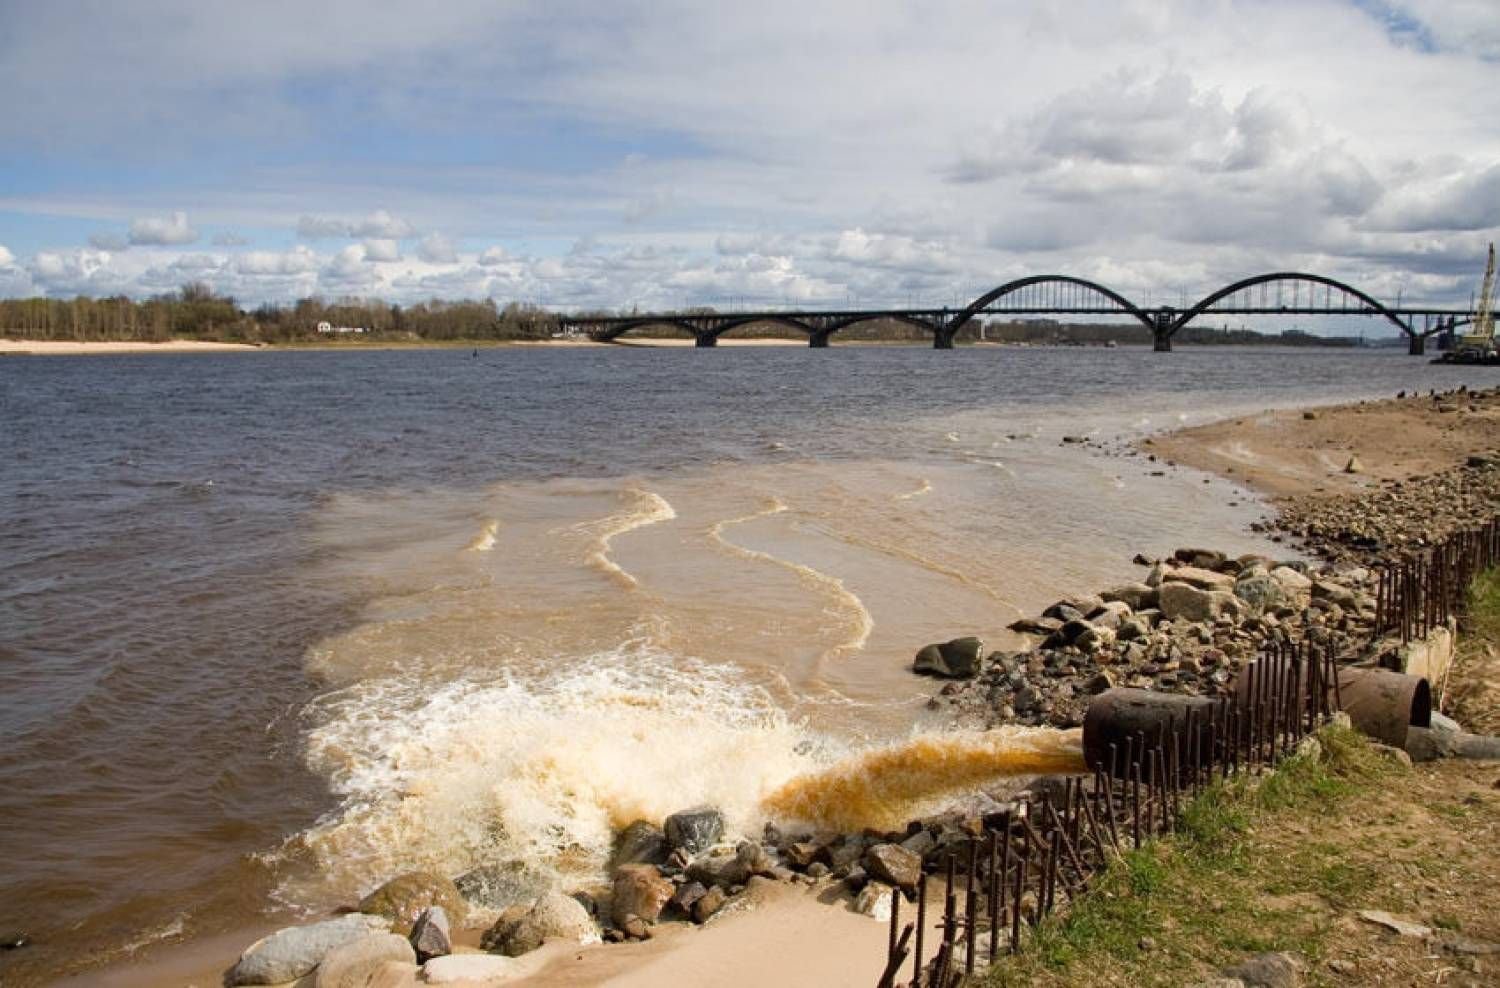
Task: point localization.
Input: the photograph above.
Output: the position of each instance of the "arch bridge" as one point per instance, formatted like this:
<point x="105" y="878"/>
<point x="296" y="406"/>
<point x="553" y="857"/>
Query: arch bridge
<point x="1274" y="293"/>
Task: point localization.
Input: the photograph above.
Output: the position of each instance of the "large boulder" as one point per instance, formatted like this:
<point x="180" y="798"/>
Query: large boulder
<point x="1335" y="593"/>
<point x="957" y="659"/>
<point x="1203" y="579"/>
<point x="695" y="830"/>
<point x="1262" y="592"/>
<point x="1182" y="602"/>
<point x="288" y="954"/>
<point x="642" y="842"/>
<point x="402" y="899"/>
<point x="553" y="916"/>
<point x="1294" y="583"/>
<point x="639" y="891"/>
<point x="1137" y="595"/>
<point x="894" y="865"/>
<point x="376" y="960"/>
<point x="499" y="886"/>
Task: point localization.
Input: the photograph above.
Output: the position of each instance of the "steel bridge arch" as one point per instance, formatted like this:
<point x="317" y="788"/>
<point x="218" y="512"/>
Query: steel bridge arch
<point x="1203" y="304"/>
<point x="983" y="301"/>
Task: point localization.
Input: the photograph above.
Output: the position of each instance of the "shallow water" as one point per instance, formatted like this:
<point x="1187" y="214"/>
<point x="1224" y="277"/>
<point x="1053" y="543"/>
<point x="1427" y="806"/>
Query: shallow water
<point x="274" y="626"/>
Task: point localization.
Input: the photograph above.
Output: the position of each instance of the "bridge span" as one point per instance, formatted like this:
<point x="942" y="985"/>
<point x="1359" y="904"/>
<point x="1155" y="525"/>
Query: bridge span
<point x="1277" y="293"/>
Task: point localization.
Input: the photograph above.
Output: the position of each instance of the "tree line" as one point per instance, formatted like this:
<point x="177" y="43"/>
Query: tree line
<point x="196" y="312"/>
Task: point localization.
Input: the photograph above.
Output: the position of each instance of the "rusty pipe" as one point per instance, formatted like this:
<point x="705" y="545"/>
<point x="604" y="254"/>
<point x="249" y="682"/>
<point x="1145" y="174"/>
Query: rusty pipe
<point x="1116" y="716"/>
<point x="1385" y="704"/>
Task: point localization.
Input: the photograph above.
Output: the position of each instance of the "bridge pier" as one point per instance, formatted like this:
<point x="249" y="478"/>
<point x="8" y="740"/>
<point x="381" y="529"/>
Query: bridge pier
<point x="706" y="339"/>
<point x="819" y="339"/>
<point x="1162" y="343"/>
<point x="942" y="340"/>
<point x="1417" y="345"/>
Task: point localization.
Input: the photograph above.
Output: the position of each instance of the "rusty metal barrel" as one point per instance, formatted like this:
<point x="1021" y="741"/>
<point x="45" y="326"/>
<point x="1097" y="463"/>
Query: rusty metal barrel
<point x="1120" y="717"/>
<point x="1385" y="704"/>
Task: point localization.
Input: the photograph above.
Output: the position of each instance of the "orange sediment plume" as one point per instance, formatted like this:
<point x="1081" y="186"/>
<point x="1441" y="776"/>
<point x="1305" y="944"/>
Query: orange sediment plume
<point x="885" y="787"/>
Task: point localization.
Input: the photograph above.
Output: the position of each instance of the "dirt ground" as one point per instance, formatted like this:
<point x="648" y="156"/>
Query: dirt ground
<point x="1288" y="453"/>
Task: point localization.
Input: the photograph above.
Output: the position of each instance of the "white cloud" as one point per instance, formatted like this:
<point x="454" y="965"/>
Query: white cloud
<point x="437" y="249"/>
<point x="7" y="259"/>
<point x="379" y="225"/>
<point x="167" y="231"/>
<point x="230" y="239"/>
<point x="493" y="256"/>
<point x="382" y="250"/>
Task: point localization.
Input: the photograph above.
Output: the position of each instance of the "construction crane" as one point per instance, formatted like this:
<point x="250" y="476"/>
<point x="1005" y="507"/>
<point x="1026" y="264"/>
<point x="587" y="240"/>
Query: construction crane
<point x="1478" y="345"/>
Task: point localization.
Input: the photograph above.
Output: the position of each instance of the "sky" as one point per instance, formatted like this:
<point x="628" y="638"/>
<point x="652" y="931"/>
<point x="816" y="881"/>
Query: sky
<point x="694" y="152"/>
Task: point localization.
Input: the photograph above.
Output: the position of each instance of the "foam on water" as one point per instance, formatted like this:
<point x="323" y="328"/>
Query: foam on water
<point x="485" y="540"/>
<point x="859" y="622"/>
<point x="645" y="508"/>
<point x="925" y="487"/>
<point x="544" y="768"/>
<point x="887" y="786"/>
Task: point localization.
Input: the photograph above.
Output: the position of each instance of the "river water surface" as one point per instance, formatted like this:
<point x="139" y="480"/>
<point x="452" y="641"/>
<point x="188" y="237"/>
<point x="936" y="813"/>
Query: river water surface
<point x="277" y="626"/>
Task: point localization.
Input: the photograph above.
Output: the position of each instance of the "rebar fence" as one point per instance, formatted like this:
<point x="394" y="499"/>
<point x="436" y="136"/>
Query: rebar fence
<point x="988" y="893"/>
<point x="1423" y="591"/>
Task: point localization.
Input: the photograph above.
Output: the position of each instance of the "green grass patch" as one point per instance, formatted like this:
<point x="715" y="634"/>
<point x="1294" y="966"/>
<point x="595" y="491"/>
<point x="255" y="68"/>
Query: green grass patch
<point x="1210" y="893"/>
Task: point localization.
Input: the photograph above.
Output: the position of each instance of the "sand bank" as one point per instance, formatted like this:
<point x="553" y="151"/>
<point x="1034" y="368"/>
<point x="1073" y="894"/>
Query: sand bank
<point x="1294" y="452"/>
<point x="51" y="348"/>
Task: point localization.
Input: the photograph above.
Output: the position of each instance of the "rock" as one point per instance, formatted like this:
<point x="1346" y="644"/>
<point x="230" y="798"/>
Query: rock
<point x="817" y="870"/>
<point x="1218" y="983"/>
<point x="874" y="901"/>
<point x="288" y="954"/>
<point x="725" y="870"/>
<point x="1457" y="943"/>
<point x="711" y="902"/>
<point x="1405" y="927"/>
<point x="1294" y="583"/>
<point x="402" y="899"/>
<point x="1354" y="466"/>
<point x="1137" y="596"/>
<point x="1095" y="640"/>
<point x="431" y="936"/>
<point x="553" y="916"/>
<point x="801" y="854"/>
<point x="361" y="963"/>
<point x="1183" y="602"/>
<point x="1111" y="614"/>
<point x="1200" y="558"/>
<point x="1156" y="575"/>
<point x="1309" y="416"/>
<point x="1335" y="593"/>
<point x="957" y="659"/>
<point x="1133" y="629"/>
<point x="686" y="895"/>
<point x="472" y="969"/>
<point x="14" y="940"/>
<point x="1261" y="592"/>
<point x="642" y="842"/>
<point x="1203" y="579"/>
<point x="695" y="830"/>
<point x="920" y="843"/>
<point x="634" y="927"/>
<point x="639" y="891"/>
<point x="1098" y="683"/>
<point x="1270" y="970"/>
<point x="755" y="859"/>
<point x="842" y="853"/>
<point x="1042" y="626"/>
<point x="894" y="865"/>
<point x="501" y="886"/>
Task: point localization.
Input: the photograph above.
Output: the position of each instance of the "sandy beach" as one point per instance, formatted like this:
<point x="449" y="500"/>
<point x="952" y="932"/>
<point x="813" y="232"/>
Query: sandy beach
<point x="1294" y="452"/>
<point x="54" y="348"/>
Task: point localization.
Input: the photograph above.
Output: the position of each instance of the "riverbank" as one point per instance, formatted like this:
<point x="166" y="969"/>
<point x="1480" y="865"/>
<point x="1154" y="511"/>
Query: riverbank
<point x="58" y="348"/>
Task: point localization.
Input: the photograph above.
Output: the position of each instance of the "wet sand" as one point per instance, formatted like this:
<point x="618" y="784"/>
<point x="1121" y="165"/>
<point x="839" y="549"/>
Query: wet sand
<point x="1286" y="453"/>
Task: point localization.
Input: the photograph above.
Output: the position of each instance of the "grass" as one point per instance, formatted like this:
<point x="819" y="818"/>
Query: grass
<point x="1216" y="890"/>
